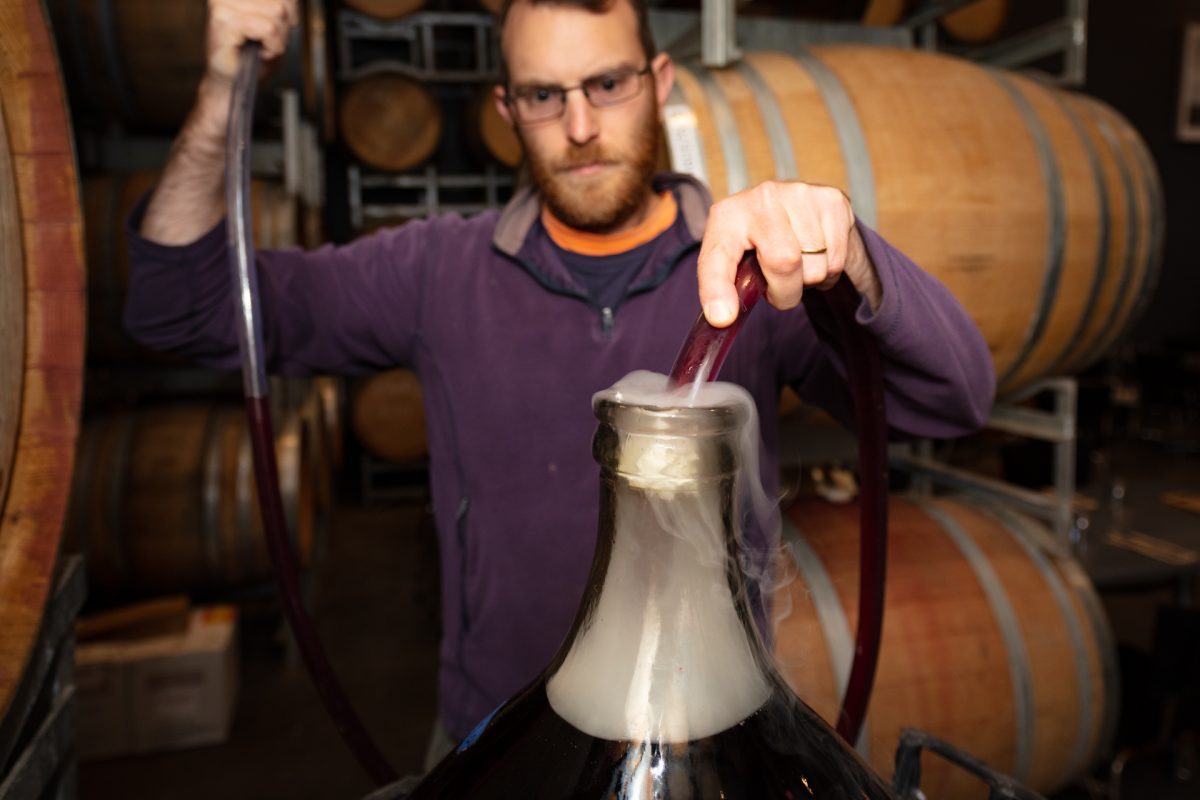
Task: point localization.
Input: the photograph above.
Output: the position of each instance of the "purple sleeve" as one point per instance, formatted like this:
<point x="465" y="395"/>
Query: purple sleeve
<point x="345" y="310"/>
<point x="939" y="380"/>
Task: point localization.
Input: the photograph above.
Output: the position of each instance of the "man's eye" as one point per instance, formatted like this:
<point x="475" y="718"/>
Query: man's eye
<point x="542" y="94"/>
<point x="608" y="83"/>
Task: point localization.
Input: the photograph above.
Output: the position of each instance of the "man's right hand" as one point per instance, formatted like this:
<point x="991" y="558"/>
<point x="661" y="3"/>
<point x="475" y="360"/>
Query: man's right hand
<point x="232" y="22"/>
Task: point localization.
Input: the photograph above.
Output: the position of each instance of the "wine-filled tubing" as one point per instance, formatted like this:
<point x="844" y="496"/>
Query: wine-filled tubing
<point x="41" y="328"/>
<point x="991" y="641"/>
<point x="1039" y="209"/>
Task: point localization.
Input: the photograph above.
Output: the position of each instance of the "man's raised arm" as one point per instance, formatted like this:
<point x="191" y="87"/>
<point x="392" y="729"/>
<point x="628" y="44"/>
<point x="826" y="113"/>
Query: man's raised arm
<point x="190" y="197"/>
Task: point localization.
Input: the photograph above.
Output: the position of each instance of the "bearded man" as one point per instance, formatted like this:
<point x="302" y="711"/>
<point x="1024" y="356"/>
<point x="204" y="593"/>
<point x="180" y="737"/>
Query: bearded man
<point x="513" y="318"/>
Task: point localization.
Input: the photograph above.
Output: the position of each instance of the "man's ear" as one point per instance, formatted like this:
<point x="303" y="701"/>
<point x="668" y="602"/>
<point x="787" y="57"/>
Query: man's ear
<point x="663" y="70"/>
<point x="499" y="96"/>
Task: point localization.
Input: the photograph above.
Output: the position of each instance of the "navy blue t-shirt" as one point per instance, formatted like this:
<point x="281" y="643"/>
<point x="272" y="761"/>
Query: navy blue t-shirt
<point x="606" y="278"/>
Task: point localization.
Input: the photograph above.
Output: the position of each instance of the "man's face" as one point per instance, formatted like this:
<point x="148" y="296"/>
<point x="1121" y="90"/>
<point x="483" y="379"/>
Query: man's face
<point x="592" y="165"/>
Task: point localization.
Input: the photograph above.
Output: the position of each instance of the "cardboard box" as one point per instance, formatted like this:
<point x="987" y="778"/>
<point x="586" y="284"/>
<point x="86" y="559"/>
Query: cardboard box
<point x="165" y="692"/>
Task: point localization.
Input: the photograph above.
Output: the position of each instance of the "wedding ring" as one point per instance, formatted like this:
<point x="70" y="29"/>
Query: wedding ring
<point x="813" y="252"/>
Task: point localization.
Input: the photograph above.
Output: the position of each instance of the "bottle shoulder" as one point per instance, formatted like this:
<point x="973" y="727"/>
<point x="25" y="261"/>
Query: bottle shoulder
<point x="527" y="750"/>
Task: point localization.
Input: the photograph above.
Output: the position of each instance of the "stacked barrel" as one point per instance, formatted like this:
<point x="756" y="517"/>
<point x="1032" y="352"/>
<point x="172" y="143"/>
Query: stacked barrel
<point x="409" y="122"/>
<point x="993" y="638"/>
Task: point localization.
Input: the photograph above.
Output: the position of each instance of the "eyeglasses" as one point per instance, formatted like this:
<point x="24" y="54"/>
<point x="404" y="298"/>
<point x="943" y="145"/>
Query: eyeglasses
<point x="544" y="103"/>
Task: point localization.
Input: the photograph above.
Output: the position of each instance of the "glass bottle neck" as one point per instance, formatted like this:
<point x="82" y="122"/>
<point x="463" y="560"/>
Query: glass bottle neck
<point x="664" y="648"/>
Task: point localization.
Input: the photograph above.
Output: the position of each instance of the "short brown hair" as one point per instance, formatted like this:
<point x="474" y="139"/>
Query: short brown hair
<point x="640" y="10"/>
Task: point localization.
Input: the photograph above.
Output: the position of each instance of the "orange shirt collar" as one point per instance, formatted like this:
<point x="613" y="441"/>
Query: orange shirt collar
<point x="603" y="244"/>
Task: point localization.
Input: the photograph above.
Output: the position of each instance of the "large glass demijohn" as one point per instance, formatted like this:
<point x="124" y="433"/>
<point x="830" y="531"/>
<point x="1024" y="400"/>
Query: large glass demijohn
<point x="663" y="688"/>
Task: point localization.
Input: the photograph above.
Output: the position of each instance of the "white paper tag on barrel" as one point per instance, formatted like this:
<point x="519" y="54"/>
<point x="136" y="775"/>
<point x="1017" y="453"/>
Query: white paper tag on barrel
<point x="683" y="141"/>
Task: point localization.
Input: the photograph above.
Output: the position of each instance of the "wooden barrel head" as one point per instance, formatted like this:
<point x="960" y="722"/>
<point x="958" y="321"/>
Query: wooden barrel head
<point x="884" y="12"/>
<point x="976" y="22"/>
<point x="388" y="415"/>
<point x="40" y="175"/>
<point x="390" y="121"/>
<point x="495" y="135"/>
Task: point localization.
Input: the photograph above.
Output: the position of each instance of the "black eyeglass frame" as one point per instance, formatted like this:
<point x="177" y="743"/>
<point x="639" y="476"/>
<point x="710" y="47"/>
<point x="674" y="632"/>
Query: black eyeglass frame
<point x="511" y="98"/>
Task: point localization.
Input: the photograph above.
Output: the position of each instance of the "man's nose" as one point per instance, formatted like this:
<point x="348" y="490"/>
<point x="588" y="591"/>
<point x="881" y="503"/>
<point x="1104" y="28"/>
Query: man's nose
<point x="580" y="118"/>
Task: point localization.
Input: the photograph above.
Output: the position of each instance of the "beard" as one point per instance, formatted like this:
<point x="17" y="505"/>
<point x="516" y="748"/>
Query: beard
<point x="600" y="203"/>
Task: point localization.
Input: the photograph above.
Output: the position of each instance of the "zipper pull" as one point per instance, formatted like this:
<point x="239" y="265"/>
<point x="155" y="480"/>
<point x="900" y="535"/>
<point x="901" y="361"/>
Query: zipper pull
<point x="606" y="319"/>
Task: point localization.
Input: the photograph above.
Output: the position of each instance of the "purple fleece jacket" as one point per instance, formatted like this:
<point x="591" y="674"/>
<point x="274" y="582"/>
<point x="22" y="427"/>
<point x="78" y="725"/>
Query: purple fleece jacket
<point x="509" y="352"/>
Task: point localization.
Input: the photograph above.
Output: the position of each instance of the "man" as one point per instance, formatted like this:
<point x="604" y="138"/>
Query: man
<point x="514" y="318"/>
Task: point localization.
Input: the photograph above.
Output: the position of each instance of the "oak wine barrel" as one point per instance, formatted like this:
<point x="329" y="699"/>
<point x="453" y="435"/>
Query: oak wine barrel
<point x="322" y="416"/>
<point x="1041" y="210"/>
<point x="973" y="23"/>
<point x="41" y="334"/>
<point x="390" y="121"/>
<point x="329" y="399"/>
<point x="164" y="499"/>
<point x="491" y="6"/>
<point x="884" y="12"/>
<point x="138" y="62"/>
<point x="317" y="78"/>
<point x="385" y="9"/>
<point x="107" y="201"/>
<point x="489" y="132"/>
<point x="991" y="640"/>
<point x="388" y="417"/>
<point x="978" y="22"/>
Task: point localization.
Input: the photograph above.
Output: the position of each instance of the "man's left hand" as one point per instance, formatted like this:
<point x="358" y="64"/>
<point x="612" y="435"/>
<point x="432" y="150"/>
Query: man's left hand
<point x="783" y="222"/>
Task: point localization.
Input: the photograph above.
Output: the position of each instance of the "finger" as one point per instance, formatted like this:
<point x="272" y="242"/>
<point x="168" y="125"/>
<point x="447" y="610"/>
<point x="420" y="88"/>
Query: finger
<point x="722" y="247"/>
<point x="837" y="220"/>
<point x="773" y="235"/>
<point x="782" y="264"/>
<point x="802" y="224"/>
<point x="715" y="271"/>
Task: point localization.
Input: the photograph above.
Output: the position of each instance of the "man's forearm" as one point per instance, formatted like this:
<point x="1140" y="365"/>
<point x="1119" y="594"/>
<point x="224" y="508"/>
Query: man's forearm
<point x="190" y="195"/>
